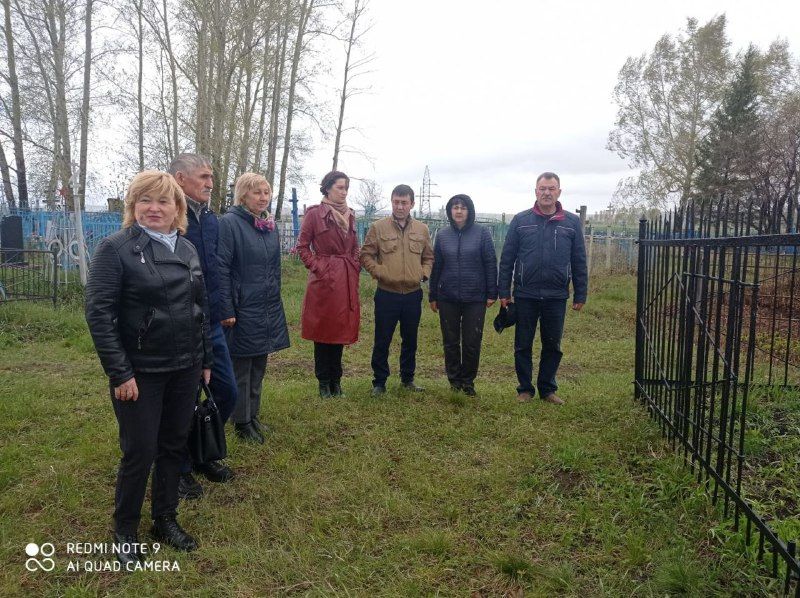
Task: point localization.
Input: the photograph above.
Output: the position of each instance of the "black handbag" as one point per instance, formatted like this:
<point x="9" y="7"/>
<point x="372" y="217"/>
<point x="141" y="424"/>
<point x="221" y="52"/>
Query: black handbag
<point x="207" y="436"/>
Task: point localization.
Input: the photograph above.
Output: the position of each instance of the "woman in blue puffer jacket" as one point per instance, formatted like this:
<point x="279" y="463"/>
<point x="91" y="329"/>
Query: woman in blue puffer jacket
<point x="463" y="284"/>
<point x="249" y="256"/>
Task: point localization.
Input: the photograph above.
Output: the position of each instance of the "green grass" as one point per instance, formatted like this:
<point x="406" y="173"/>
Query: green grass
<point x="411" y="494"/>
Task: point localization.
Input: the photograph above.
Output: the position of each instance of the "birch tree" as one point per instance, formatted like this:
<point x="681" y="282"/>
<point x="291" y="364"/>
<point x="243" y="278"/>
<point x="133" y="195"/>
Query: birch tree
<point x="14" y="113"/>
<point x="665" y="102"/>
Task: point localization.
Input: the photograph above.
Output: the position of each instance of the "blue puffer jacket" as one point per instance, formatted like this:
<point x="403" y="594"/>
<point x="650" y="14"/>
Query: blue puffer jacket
<point x="544" y="253"/>
<point x="203" y="234"/>
<point x="464" y="261"/>
<point x="250" y="286"/>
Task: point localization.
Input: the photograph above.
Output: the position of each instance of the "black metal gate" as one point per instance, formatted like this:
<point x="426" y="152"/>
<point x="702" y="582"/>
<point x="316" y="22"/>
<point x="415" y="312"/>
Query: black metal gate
<point x="717" y="331"/>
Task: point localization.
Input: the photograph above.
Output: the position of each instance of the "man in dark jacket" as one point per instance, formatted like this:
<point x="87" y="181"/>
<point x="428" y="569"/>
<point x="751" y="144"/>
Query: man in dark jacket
<point x="193" y="174"/>
<point x="544" y="249"/>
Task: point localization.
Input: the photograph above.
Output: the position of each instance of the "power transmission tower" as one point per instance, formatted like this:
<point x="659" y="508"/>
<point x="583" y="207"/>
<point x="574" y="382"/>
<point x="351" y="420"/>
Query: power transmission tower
<point x="425" y="194"/>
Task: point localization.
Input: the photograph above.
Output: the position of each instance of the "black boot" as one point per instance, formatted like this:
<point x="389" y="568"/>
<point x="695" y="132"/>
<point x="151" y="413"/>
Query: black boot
<point x="126" y="549"/>
<point x="248" y="433"/>
<point x="325" y="389"/>
<point x="188" y="487"/>
<point x="336" y="388"/>
<point x="167" y="530"/>
<point x="262" y="428"/>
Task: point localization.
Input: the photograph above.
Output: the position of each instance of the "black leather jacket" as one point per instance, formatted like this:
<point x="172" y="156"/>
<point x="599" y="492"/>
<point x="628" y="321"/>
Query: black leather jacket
<point x="146" y="306"/>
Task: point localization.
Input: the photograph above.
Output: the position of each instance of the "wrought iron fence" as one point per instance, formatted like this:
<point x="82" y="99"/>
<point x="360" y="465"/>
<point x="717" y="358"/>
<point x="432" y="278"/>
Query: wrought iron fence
<point x="28" y="274"/>
<point x="718" y="361"/>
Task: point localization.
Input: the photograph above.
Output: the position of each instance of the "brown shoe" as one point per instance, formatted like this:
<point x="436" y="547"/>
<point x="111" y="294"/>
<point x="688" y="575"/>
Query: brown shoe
<point x="553" y="398"/>
<point x="524" y="397"/>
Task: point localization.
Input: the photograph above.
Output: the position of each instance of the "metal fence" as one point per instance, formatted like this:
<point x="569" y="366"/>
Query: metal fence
<point x="28" y="274"/>
<point x="717" y="361"/>
<point x="56" y="231"/>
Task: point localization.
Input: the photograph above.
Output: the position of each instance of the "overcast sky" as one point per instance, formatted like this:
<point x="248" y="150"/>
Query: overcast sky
<point x="489" y="94"/>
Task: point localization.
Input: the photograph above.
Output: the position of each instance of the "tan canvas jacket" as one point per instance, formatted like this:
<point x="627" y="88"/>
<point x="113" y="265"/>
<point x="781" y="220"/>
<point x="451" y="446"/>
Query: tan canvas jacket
<point x="399" y="259"/>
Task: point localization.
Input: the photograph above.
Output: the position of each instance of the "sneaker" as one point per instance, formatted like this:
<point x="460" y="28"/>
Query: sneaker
<point x="553" y="398"/>
<point x="524" y="397"/>
<point x="469" y="391"/>
<point x="188" y="487"/>
<point x="378" y="390"/>
<point x="336" y="388"/>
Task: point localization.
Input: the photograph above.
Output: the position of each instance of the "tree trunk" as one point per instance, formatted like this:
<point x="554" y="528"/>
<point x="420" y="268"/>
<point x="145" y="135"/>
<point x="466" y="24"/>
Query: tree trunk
<point x="16" y="115"/>
<point x="49" y="92"/>
<point x="56" y="25"/>
<point x="5" y="173"/>
<point x="343" y="98"/>
<point x="87" y="80"/>
<point x="305" y="10"/>
<point x="140" y="77"/>
<point x="265" y="77"/>
<point x="277" y="91"/>
<point x="173" y="72"/>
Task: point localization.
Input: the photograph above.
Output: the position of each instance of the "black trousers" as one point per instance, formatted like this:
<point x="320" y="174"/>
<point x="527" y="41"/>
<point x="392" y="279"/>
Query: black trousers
<point x="462" y="333"/>
<point x="328" y="362"/>
<point x="391" y="308"/>
<point x="153" y="429"/>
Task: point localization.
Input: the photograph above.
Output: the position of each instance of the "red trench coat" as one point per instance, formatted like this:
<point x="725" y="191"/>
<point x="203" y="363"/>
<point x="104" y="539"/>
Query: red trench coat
<point x="331" y="308"/>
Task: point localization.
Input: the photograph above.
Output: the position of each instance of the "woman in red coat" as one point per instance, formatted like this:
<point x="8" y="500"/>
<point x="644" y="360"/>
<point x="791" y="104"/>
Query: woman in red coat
<point x="328" y="246"/>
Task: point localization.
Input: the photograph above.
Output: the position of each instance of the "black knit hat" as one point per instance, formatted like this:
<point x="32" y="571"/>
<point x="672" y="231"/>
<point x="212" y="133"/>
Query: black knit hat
<point x="506" y="317"/>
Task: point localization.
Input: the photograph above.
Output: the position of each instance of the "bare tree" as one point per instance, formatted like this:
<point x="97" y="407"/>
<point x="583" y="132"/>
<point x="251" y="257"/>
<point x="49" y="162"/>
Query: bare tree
<point x="353" y="67"/>
<point x="370" y="197"/>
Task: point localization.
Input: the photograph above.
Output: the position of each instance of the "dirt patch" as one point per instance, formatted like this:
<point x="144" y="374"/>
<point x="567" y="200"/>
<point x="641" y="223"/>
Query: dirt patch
<point x="568" y="481"/>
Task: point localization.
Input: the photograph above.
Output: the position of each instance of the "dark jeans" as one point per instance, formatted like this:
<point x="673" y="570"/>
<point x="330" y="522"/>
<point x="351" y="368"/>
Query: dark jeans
<point x="250" y="378"/>
<point x="549" y="313"/>
<point x="391" y="308"/>
<point x="223" y="380"/>
<point x="462" y="332"/>
<point x="153" y="428"/>
<point x="328" y="362"/>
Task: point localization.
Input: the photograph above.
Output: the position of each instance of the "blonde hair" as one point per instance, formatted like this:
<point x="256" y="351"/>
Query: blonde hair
<point x="247" y="182"/>
<point x="157" y="184"/>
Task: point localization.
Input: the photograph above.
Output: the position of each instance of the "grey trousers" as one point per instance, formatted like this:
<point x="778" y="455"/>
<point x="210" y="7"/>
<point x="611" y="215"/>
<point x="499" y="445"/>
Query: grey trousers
<point x="249" y="372"/>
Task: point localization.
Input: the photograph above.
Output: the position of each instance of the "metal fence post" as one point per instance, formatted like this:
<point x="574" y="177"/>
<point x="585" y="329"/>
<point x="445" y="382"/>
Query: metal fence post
<point x="55" y="276"/>
<point x="640" y="286"/>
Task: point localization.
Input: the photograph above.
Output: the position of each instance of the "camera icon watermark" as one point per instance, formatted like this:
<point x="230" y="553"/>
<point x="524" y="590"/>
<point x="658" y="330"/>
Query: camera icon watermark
<point x="45" y="551"/>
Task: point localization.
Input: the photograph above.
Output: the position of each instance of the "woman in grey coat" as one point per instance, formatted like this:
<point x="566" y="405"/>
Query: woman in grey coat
<point x="250" y="296"/>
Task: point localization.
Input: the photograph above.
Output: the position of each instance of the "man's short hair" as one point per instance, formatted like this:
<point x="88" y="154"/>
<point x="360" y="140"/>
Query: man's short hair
<point x="548" y="175"/>
<point x="403" y="191"/>
<point x="187" y="163"/>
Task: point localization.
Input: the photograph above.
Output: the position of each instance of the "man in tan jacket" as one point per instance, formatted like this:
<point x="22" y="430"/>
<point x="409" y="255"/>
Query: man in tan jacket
<point x="397" y="253"/>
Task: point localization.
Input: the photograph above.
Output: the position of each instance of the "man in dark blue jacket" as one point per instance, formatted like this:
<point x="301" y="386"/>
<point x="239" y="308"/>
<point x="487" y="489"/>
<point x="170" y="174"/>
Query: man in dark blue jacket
<point x="544" y="249"/>
<point x="194" y="175"/>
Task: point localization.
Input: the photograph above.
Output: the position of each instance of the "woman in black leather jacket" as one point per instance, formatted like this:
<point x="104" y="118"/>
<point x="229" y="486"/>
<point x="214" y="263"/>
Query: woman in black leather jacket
<point x="146" y="310"/>
<point x="463" y="284"/>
